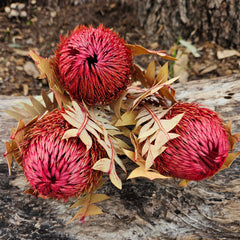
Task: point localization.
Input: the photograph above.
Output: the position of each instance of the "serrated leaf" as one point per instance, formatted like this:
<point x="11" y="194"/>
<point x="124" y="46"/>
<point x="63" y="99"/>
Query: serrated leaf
<point x="139" y="50"/>
<point x="151" y="91"/>
<point x="78" y="117"/>
<point x="37" y="106"/>
<point x="143" y="119"/>
<point x="103" y="164"/>
<point x="127" y="119"/>
<point x="106" y="147"/>
<point x="26" y="111"/>
<point x="142" y="113"/>
<point x="153" y="152"/>
<point x="30" y="109"/>
<point x="47" y="100"/>
<point x="89" y="199"/>
<point x="169" y="124"/>
<point x="14" y="114"/>
<point x="45" y="66"/>
<point x="162" y="139"/>
<point x="86" y="211"/>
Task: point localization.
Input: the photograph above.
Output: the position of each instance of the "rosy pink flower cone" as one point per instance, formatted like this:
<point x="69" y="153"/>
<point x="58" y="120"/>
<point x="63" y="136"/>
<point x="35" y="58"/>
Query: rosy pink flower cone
<point x="54" y="167"/>
<point x="202" y="147"/>
<point x="93" y="64"/>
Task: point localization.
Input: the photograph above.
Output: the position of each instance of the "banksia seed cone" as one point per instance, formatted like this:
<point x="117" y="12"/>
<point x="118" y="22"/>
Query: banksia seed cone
<point x="202" y="147"/>
<point x="93" y="64"/>
<point x="57" y="167"/>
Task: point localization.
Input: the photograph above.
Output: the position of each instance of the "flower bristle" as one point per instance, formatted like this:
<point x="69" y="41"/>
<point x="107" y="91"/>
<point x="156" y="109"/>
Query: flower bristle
<point x="56" y="167"/>
<point x="202" y="147"/>
<point x="93" y="64"/>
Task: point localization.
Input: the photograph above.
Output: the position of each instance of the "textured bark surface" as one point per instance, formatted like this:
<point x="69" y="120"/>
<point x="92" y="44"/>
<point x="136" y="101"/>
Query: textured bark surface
<point x="143" y="210"/>
<point x="198" y="20"/>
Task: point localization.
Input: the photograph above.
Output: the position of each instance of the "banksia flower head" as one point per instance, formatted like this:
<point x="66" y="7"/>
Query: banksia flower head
<point x="93" y="64"/>
<point x="56" y="167"/>
<point x="201" y="148"/>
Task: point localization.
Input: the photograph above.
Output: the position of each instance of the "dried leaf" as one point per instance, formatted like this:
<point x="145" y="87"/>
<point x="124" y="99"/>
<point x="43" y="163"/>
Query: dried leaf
<point x="162" y="139"/>
<point x="9" y="155"/>
<point x="116" y="181"/>
<point x="139" y="50"/>
<point x="26" y="112"/>
<point x="162" y="76"/>
<point x="78" y="117"/>
<point x="142" y="172"/>
<point x="127" y="119"/>
<point x="227" y="53"/>
<point x="129" y="154"/>
<point x="190" y="47"/>
<point x="150" y="73"/>
<point x="45" y="66"/>
<point x="153" y="152"/>
<point x="117" y="104"/>
<point x="89" y="199"/>
<point x="38" y="106"/>
<point x="31" y="110"/>
<point x="103" y="164"/>
<point x="120" y="163"/>
<point x="184" y="183"/>
<point x="70" y="133"/>
<point x="151" y="91"/>
<point x="139" y="74"/>
<point x="49" y="104"/>
<point x="233" y="138"/>
<point x="14" y="114"/>
<point x="230" y="158"/>
<point x="86" y="211"/>
<point x="169" y="124"/>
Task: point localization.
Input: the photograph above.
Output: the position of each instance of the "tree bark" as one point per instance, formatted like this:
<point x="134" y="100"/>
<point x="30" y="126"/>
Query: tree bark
<point x="197" y="20"/>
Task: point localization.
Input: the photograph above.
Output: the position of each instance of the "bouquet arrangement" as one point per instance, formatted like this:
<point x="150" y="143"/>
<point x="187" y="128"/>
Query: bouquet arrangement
<point x="102" y="108"/>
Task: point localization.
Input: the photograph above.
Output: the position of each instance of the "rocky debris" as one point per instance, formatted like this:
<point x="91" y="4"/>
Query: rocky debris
<point x="16" y="10"/>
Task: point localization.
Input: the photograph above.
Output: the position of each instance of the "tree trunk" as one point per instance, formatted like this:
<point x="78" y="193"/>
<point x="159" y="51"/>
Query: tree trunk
<point x="197" y="20"/>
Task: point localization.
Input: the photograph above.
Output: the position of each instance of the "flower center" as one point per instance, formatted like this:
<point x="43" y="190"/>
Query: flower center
<point x="53" y="179"/>
<point x="92" y="60"/>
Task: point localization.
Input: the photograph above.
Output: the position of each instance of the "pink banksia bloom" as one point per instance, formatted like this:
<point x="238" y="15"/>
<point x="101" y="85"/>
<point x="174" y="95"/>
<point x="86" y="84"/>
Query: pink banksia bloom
<point x="56" y="167"/>
<point x="202" y="147"/>
<point x="93" y="64"/>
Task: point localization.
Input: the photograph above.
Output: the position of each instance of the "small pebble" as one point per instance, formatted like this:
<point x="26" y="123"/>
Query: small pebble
<point x="23" y="14"/>
<point x="13" y="13"/>
<point x="7" y="9"/>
